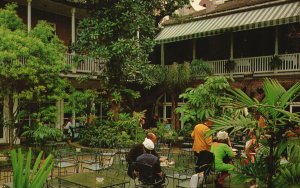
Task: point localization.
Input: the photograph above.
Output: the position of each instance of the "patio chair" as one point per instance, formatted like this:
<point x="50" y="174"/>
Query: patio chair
<point x="88" y="158"/>
<point x="103" y="161"/>
<point x="64" y="162"/>
<point x="164" y="151"/>
<point x="204" y="167"/>
<point x="179" y="175"/>
<point x="146" y="176"/>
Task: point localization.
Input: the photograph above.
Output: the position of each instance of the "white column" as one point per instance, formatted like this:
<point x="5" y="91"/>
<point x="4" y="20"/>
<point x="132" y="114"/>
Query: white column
<point x="162" y="54"/>
<point x="60" y="114"/>
<point x="276" y="41"/>
<point x="165" y="107"/>
<point x="138" y="33"/>
<point x="73" y="10"/>
<point x="29" y="15"/>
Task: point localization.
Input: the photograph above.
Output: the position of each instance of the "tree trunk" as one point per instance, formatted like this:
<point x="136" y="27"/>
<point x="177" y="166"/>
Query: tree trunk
<point x="115" y="108"/>
<point x="174" y="115"/>
<point x="9" y="117"/>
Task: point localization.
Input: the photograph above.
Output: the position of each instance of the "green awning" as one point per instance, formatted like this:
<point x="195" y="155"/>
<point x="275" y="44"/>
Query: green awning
<point x="250" y="19"/>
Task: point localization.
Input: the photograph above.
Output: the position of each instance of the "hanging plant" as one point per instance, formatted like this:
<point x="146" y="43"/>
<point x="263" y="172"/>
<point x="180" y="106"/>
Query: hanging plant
<point x="230" y="65"/>
<point x="275" y="62"/>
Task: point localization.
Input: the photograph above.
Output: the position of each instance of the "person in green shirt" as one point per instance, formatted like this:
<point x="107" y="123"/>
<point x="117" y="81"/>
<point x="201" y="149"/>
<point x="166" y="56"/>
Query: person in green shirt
<point x="221" y="151"/>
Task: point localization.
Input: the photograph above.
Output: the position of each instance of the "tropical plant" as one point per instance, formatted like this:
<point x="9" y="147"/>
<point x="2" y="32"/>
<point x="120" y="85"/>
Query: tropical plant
<point x="103" y="134"/>
<point x="203" y="101"/>
<point x="200" y="68"/>
<point x="30" y="64"/>
<point x="80" y="104"/>
<point x="230" y="65"/>
<point x="275" y="62"/>
<point x="176" y="80"/>
<point x="40" y="133"/>
<point x="26" y="176"/>
<point x="122" y="33"/>
<point x="273" y="136"/>
<point x="186" y="131"/>
<point x="128" y="123"/>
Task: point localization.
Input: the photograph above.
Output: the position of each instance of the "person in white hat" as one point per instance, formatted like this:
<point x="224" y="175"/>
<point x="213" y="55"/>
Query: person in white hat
<point x="148" y="158"/>
<point x="221" y="150"/>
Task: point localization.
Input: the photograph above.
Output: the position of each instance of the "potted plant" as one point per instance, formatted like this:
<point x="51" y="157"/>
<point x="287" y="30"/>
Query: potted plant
<point x="275" y="62"/>
<point x="230" y="65"/>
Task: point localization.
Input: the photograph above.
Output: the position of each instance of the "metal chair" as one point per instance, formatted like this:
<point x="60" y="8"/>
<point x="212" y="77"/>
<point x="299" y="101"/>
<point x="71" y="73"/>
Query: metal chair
<point x="146" y="176"/>
<point x="65" y="161"/>
<point x="204" y="165"/>
<point x="103" y="161"/>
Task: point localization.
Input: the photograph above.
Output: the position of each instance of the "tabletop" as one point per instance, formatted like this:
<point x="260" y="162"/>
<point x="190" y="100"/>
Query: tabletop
<point x="91" y="179"/>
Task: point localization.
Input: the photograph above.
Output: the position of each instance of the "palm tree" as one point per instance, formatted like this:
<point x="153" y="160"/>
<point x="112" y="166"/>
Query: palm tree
<point x="273" y="136"/>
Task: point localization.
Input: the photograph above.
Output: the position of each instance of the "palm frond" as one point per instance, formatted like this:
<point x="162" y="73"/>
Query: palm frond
<point x="234" y="124"/>
<point x="252" y="171"/>
<point x="272" y="90"/>
<point x="287" y="176"/>
<point x="289" y="95"/>
<point x="241" y="99"/>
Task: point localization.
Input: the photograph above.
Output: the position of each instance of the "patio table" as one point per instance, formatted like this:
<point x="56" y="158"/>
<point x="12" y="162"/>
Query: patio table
<point x="89" y="179"/>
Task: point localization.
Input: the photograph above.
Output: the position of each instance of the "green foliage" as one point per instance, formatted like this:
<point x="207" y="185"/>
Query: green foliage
<point x="177" y="77"/>
<point x="26" y="176"/>
<point x="204" y="101"/>
<point x="9" y="18"/>
<point x="230" y="65"/>
<point x="103" y="134"/>
<point x="244" y="173"/>
<point x="186" y="131"/>
<point x="163" y="133"/>
<point x="122" y="33"/>
<point x="200" y="68"/>
<point x="39" y="133"/>
<point x="275" y="62"/>
<point x="80" y="102"/>
<point x="31" y="63"/>
<point x="110" y="33"/>
<point x="273" y="136"/>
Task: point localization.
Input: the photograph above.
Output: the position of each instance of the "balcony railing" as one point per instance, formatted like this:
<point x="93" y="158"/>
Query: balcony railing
<point x="255" y="66"/>
<point x="89" y="65"/>
<point x="259" y="66"/>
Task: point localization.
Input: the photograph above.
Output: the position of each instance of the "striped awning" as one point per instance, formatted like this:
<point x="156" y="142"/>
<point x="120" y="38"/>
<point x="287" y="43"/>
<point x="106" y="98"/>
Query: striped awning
<point x="263" y="17"/>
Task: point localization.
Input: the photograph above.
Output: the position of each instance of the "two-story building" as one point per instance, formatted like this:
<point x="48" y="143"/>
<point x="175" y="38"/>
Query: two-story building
<point x="249" y="32"/>
<point x="63" y="17"/>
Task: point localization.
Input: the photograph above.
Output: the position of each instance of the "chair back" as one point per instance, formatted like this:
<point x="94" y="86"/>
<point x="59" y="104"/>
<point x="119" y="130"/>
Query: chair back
<point x="145" y="172"/>
<point x="205" y="161"/>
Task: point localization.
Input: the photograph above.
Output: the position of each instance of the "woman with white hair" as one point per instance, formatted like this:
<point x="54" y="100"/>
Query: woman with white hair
<point x="222" y="150"/>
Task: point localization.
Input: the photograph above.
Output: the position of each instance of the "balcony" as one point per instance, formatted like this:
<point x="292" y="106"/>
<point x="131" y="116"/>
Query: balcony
<point x="253" y="66"/>
<point x="259" y="66"/>
<point x="88" y="66"/>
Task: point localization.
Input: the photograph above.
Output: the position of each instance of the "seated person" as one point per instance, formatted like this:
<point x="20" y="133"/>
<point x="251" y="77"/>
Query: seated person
<point x="136" y="151"/>
<point x="251" y="146"/>
<point x="221" y="150"/>
<point x="148" y="158"/>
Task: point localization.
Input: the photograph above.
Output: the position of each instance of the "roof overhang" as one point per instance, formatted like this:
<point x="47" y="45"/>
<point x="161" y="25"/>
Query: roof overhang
<point x="265" y="16"/>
